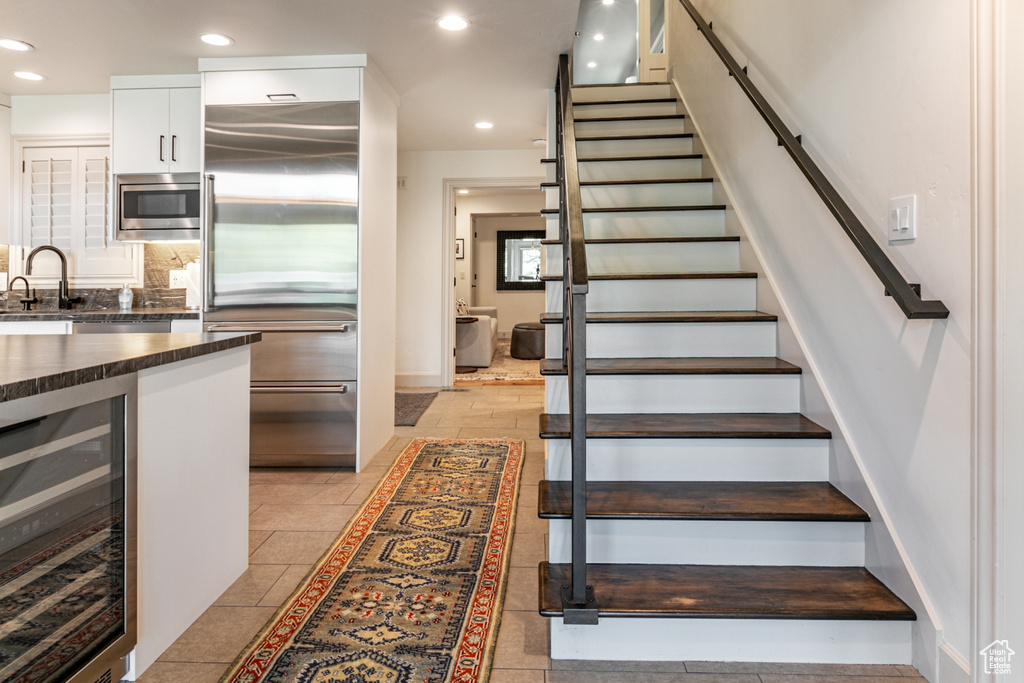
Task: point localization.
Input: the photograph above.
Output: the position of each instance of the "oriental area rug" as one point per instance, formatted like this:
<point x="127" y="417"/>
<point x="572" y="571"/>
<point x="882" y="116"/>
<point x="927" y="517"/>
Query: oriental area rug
<point x="411" y="592"/>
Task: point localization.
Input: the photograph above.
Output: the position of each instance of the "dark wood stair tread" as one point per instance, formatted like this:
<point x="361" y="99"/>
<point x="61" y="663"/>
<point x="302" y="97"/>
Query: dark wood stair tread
<point x="653" y="240"/>
<point x="552" y="318"/>
<point x="728" y="592"/>
<point x="722" y="500"/>
<point x="676" y="366"/>
<point x="649" y="117"/>
<point x="638" y="136"/>
<point x="687" y="426"/>
<point x="646" y="181"/>
<point x="717" y="275"/>
<point x="639" y="209"/>
<point x="646" y="100"/>
<point x="648" y="157"/>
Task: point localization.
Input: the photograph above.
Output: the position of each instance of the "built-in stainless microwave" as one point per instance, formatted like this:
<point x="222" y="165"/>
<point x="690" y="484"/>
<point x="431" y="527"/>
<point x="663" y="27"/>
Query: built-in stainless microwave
<point x="158" y="206"/>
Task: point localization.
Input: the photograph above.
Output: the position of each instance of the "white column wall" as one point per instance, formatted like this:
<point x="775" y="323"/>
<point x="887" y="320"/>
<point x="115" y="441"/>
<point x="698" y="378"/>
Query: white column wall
<point x="885" y="112"/>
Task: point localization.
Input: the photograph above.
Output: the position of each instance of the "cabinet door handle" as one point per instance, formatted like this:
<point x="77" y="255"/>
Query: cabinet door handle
<point x="174" y="148"/>
<point x="162" y="147"/>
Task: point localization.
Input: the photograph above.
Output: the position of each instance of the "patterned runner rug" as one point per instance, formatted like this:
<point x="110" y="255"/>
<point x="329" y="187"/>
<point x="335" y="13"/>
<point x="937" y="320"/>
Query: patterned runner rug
<point x="412" y="589"/>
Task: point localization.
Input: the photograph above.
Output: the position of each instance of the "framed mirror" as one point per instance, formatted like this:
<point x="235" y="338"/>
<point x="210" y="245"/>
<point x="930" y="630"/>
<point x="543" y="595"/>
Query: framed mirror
<point x="520" y="260"/>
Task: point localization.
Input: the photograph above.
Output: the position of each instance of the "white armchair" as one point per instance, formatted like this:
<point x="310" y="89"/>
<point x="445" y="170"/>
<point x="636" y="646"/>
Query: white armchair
<point x="476" y="342"/>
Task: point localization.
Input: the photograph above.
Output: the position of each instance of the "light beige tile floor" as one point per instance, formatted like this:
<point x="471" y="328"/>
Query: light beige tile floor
<point x="295" y="514"/>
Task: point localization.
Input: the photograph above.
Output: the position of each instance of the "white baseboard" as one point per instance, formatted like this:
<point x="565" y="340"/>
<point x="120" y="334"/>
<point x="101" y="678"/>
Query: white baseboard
<point x="419" y="379"/>
<point x="953" y="666"/>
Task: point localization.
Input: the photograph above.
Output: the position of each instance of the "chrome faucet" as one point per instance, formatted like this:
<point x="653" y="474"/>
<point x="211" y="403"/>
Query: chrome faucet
<point x="63" y="300"/>
<point x="26" y="302"/>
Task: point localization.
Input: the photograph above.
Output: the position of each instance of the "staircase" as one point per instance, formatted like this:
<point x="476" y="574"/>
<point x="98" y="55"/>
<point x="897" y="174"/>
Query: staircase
<point x="712" y="530"/>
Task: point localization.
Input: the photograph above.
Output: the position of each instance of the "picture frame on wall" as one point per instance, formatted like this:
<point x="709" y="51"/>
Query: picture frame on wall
<point x="460" y="248"/>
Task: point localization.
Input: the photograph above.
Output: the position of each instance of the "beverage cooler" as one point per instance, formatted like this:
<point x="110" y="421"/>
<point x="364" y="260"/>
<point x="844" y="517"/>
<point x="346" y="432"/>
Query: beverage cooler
<point x="67" y="535"/>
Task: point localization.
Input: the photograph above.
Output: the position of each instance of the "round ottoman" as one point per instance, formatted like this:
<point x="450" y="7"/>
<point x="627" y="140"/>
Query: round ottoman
<point x="527" y="341"/>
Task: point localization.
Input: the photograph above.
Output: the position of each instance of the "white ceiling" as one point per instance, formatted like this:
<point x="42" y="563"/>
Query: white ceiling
<point x="496" y="70"/>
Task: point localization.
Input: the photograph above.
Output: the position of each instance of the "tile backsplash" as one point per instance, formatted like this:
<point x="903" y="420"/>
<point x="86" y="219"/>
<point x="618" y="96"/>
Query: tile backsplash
<point x="160" y="259"/>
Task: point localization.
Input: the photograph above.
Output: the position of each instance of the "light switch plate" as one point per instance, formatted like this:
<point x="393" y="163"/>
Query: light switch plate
<point x="178" y="279"/>
<point x="903" y="219"/>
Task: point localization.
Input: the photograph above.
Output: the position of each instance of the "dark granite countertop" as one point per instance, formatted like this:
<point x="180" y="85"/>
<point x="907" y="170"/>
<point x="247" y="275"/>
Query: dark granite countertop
<point x="35" y="364"/>
<point x="103" y="315"/>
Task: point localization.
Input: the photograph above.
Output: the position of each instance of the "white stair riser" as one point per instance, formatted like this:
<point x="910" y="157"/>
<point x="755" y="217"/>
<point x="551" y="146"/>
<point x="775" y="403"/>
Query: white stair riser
<point x="586" y="129"/>
<point x="680" y="394"/>
<point x="727" y="294"/>
<point x="661" y="194"/>
<point x="610" y="225"/>
<point x="589" y="149"/>
<point x="781" y="544"/>
<point x="735" y="640"/>
<point x="593" y="111"/>
<point x="641" y="170"/>
<point x="639" y="91"/>
<point x="657" y="257"/>
<point x="656" y="340"/>
<point x="694" y="459"/>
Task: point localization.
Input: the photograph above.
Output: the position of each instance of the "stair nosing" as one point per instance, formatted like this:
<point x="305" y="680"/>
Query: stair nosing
<point x="640" y="209"/>
<point x="648" y="100"/>
<point x="697" y="275"/>
<point x="652" y="240"/>
<point x="649" y="317"/>
<point x="777" y="590"/>
<point x="553" y="367"/>
<point x="616" y="119"/>
<point x="696" y="501"/>
<point x="551" y="426"/>
<point x="644" y="181"/>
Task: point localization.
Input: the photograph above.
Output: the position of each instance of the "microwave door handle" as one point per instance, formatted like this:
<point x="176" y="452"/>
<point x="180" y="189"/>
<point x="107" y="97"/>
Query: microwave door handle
<point x="162" y="147"/>
<point x="207" y="236"/>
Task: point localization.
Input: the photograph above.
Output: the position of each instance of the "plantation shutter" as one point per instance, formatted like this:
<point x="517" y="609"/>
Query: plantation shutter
<point x="66" y="200"/>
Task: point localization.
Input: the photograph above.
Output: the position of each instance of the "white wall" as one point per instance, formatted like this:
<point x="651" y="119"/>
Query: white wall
<point x="513" y="306"/>
<point x="5" y="169"/>
<point x="60" y="114"/>
<point x="885" y="118"/>
<point x="421" y="251"/>
<point x="378" y="162"/>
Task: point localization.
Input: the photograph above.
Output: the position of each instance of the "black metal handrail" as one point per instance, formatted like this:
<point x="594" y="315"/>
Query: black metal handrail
<point x="578" y="605"/>
<point x="906" y="296"/>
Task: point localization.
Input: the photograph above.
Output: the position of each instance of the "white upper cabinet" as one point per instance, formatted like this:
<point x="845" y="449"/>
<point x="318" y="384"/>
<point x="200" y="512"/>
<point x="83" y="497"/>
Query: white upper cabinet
<point x="156" y="130"/>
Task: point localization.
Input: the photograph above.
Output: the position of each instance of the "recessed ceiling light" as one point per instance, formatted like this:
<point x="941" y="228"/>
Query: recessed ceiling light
<point x="17" y="45"/>
<point x="485" y="124"/>
<point x="591" y="65"/>
<point x="452" y="22"/>
<point x="463" y="191"/>
<point x="607" y="2"/>
<point x="28" y="75"/>
<point x="599" y="36"/>
<point x="217" y="39"/>
<point x="540" y="142"/>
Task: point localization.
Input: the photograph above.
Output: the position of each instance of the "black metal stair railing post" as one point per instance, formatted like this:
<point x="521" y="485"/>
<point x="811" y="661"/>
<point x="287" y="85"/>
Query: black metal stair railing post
<point x="906" y="297"/>
<point x="578" y="602"/>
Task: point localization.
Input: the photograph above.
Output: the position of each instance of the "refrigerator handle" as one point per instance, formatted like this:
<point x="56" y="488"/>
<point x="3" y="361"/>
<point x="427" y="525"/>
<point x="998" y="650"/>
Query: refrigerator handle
<point x="207" y="235"/>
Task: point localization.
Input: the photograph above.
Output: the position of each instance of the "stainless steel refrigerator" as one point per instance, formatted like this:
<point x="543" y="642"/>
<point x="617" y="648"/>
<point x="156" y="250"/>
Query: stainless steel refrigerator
<point x="281" y="257"/>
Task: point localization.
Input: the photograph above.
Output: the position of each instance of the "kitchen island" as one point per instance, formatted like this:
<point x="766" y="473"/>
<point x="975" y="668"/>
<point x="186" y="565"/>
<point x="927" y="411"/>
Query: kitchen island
<point x="188" y="415"/>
